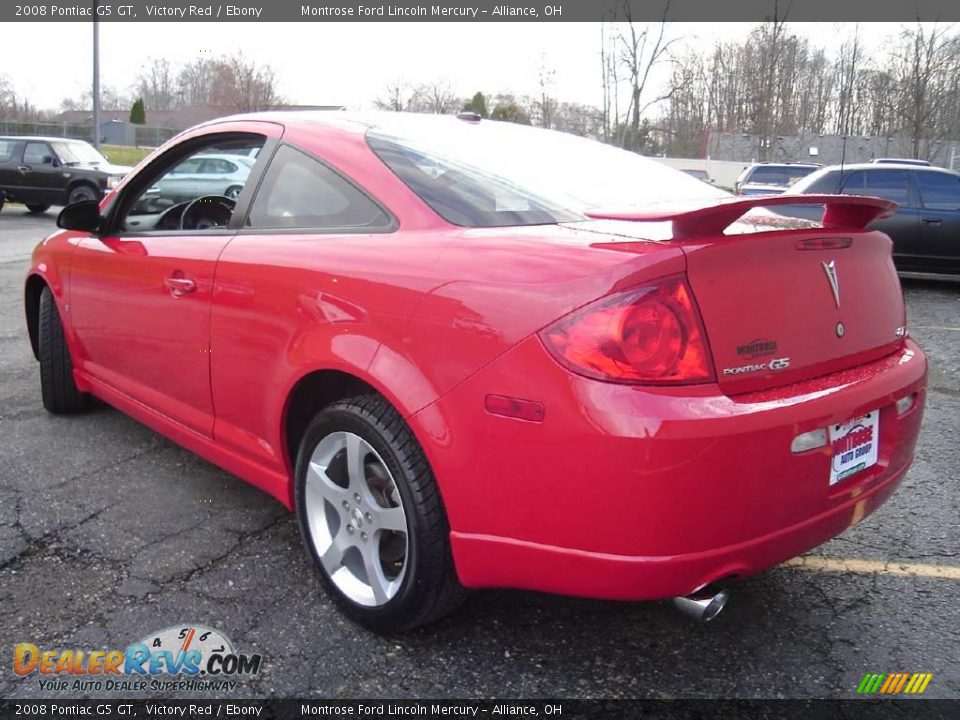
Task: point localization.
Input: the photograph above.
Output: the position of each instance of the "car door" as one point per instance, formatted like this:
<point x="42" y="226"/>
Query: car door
<point x="41" y="178"/>
<point x="289" y="270"/>
<point x="903" y="227"/>
<point x="10" y="152"/>
<point x="140" y="306"/>
<point x="939" y="248"/>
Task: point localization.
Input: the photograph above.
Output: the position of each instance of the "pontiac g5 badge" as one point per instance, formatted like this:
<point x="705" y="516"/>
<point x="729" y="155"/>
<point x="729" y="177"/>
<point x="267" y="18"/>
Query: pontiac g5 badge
<point x="830" y="268"/>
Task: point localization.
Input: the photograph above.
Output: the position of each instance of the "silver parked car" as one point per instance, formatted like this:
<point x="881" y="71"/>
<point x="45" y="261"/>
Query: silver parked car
<point x="205" y="175"/>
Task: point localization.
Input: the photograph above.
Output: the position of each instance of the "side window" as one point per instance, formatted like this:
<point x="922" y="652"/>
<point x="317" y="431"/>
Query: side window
<point x="888" y="184"/>
<point x="939" y="191"/>
<point x="299" y="191"/>
<point x="225" y="167"/>
<point x="187" y="167"/>
<point x="193" y="194"/>
<point x="6" y="149"/>
<point x="854" y="184"/>
<point x="217" y="166"/>
<point x="35" y="153"/>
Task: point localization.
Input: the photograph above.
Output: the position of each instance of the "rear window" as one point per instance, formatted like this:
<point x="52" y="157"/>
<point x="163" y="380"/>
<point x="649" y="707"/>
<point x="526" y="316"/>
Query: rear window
<point x="463" y="194"/>
<point x="493" y="174"/>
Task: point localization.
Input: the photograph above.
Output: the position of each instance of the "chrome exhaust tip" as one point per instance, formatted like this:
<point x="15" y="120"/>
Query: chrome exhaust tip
<point x="703" y="605"/>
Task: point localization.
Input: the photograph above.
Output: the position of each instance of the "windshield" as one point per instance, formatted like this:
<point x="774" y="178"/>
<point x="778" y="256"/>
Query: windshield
<point x="78" y="152"/>
<point x="495" y="173"/>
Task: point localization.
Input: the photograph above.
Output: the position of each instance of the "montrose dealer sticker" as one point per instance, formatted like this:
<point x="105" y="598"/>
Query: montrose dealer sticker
<point x="854" y="445"/>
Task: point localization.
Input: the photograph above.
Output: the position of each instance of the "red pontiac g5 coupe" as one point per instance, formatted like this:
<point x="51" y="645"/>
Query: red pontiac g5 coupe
<point x="475" y="354"/>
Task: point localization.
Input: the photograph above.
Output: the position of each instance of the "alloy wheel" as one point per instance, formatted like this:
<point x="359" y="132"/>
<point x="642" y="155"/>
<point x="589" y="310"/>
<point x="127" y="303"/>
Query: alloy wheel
<point x="356" y="520"/>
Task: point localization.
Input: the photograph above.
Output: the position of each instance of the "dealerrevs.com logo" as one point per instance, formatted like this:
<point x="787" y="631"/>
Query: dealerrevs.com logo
<point x="183" y="657"/>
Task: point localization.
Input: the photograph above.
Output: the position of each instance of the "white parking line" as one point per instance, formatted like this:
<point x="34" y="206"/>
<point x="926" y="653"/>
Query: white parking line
<point x="875" y="567"/>
<point x="934" y="327"/>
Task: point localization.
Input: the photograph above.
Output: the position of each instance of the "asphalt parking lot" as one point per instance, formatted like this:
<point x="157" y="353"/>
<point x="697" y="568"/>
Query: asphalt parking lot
<point x="109" y="532"/>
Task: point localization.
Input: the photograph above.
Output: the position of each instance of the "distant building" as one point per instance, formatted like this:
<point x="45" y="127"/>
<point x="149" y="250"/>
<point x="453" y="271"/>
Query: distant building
<point x="824" y="149"/>
<point x="179" y="119"/>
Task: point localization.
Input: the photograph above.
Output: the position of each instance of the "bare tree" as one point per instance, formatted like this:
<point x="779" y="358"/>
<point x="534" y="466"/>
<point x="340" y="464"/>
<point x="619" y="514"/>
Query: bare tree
<point x="435" y="96"/>
<point x="8" y="97"/>
<point x="244" y="86"/>
<point x="15" y="107"/>
<point x="157" y="85"/>
<point x="394" y="96"/>
<point x="546" y="107"/>
<point x="921" y="67"/>
<point x="111" y="98"/>
<point x="847" y="71"/>
<point x="195" y="82"/>
<point x="640" y="50"/>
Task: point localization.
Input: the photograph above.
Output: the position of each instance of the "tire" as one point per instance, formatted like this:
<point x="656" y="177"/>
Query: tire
<point x="233" y="192"/>
<point x="57" y="388"/>
<point x="81" y="192"/>
<point x="37" y="209"/>
<point x="416" y="583"/>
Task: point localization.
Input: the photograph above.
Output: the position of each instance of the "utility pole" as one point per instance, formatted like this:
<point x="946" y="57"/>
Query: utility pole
<point x="96" y="78"/>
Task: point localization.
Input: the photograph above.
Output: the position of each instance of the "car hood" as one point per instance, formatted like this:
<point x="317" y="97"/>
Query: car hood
<point x="103" y="167"/>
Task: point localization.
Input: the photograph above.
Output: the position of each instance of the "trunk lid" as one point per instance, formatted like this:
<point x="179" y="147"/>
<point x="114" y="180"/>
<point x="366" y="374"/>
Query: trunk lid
<point x="782" y="301"/>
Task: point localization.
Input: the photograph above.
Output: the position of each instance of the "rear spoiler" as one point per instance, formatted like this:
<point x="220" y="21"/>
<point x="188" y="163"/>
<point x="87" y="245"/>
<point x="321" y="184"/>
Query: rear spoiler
<point x="854" y="212"/>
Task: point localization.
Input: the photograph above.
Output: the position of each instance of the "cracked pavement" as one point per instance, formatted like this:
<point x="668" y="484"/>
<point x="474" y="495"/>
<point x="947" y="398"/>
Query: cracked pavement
<point x="109" y="532"/>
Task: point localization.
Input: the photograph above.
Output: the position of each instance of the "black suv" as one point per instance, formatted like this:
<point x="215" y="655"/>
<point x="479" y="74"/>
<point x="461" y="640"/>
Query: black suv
<point x="42" y="171"/>
<point x="925" y="228"/>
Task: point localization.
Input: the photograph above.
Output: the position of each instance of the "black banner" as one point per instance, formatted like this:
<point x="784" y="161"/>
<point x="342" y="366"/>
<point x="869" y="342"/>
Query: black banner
<point x="868" y="709"/>
<point x="477" y="10"/>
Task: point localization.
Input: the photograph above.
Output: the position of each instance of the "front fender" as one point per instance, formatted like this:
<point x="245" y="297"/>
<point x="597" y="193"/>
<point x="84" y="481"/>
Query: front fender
<point x="49" y="267"/>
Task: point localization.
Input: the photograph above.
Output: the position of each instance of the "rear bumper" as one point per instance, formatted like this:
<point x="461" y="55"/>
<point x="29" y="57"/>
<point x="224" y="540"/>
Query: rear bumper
<point x="643" y="493"/>
<point x="485" y="561"/>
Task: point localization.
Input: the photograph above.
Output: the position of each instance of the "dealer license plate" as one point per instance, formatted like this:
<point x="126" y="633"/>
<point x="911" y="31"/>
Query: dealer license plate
<point x="854" y="444"/>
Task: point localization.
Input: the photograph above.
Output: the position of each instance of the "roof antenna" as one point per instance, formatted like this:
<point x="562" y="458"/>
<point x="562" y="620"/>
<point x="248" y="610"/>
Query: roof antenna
<point x="843" y="157"/>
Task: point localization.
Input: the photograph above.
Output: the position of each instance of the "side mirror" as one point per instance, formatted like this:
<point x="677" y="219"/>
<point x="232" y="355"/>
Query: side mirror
<point x="83" y="215"/>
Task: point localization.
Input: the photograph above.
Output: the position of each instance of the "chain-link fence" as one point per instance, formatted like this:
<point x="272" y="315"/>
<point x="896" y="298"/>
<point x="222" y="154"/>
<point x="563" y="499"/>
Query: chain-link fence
<point x="112" y="133"/>
<point x="146" y="136"/>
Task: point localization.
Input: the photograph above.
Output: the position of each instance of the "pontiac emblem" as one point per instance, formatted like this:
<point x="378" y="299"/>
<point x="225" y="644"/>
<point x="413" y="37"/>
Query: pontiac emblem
<point x="830" y="268"/>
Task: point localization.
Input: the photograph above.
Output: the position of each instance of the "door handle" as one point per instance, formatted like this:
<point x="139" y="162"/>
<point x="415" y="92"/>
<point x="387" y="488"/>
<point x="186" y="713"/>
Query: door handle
<point x="932" y="220"/>
<point x="179" y="286"/>
<point x="23" y="168"/>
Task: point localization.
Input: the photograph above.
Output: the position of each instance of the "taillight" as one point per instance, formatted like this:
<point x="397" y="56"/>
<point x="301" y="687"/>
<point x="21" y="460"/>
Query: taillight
<point x="648" y="335"/>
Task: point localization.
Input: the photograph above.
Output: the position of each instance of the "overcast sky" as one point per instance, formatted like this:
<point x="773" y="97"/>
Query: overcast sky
<point x="350" y="63"/>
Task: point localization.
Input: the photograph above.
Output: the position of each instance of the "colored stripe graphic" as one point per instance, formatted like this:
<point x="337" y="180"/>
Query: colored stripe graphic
<point x="894" y="683"/>
<point x="870" y="683"/>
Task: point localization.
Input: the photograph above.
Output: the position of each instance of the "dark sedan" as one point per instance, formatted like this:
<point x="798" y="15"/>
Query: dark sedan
<point x="925" y="230"/>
